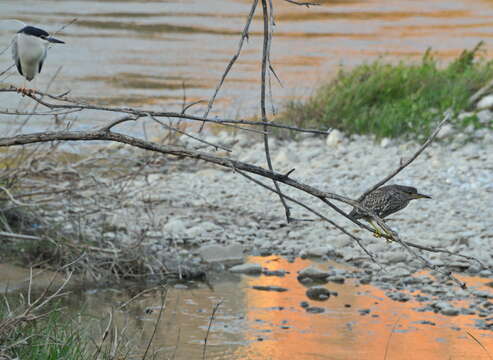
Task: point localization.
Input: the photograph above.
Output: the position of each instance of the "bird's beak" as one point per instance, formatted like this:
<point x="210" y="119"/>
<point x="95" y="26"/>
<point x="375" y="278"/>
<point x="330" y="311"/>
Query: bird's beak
<point x="55" y="41"/>
<point x="421" y="196"/>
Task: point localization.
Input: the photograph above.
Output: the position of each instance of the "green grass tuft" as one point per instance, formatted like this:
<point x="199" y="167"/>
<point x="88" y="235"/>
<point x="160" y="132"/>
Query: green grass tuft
<point x="47" y="339"/>
<point x="393" y="100"/>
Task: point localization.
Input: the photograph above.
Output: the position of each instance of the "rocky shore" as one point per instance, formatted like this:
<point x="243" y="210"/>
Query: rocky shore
<point x="186" y="206"/>
<point x="190" y="215"/>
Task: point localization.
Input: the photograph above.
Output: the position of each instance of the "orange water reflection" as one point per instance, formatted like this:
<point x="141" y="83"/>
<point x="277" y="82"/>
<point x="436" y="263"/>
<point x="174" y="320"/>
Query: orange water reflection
<point x="257" y="325"/>
<point x="342" y="333"/>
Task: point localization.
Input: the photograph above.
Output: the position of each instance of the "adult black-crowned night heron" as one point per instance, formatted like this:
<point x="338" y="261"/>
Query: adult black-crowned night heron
<point x="385" y="201"/>
<point x="29" y="49"/>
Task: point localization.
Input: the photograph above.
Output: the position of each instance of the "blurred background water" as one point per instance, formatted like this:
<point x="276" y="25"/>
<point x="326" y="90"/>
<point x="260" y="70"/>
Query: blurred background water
<point x="155" y="54"/>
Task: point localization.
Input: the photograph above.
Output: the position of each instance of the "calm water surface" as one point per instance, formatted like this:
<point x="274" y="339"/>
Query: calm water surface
<point x="152" y="53"/>
<point x="258" y="325"/>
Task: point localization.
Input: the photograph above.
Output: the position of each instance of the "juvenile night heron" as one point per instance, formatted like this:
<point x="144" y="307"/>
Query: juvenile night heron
<point x="385" y="201"/>
<point x="29" y="48"/>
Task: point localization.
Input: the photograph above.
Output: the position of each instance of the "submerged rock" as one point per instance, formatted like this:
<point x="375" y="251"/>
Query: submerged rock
<point x="318" y="293"/>
<point x="314" y="310"/>
<point x="269" y="288"/>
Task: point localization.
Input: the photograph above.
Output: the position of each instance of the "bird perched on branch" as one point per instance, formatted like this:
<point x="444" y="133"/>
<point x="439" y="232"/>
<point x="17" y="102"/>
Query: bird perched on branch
<point x="29" y="48"/>
<point x="385" y="201"/>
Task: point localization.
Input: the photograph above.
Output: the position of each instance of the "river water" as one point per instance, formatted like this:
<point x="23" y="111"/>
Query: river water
<point x="360" y="322"/>
<point x="155" y="54"/>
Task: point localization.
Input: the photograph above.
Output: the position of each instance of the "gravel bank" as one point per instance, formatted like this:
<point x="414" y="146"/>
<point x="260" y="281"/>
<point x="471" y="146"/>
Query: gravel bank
<point x="199" y="205"/>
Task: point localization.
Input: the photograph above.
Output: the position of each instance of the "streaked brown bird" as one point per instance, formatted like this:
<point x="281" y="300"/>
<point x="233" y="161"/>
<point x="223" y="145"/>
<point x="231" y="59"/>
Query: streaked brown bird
<point x="385" y="201"/>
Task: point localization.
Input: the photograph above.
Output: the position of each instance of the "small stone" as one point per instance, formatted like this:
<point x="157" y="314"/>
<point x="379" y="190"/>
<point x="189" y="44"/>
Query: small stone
<point x="450" y="311"/>
<point x="465" y="115"/>
<point x="315" y="310"/>
<point x="483" y="294"/>
<point x="385" y="142"/>
<point x="426" y="322"/>
<point x="335" y="138"/>
<point x="174" y="227"/>
<point x="338" y="279"/>
<point x="269" y="288"/>
<point x="304" y="304"/>
<point x="319" y="251"/>
<point x="446" y="131"/>
<point x="485" y="103"/>
<point x="364" y="311"/>
<point x="398" y="296"/>
<point x="232" y="254"/>
<point x="318" y="293"/>
<point x="280" y="273"/>
<point x="312" y="273"/>
<point x="485" y="117"/>
<point x="250" y="268"/>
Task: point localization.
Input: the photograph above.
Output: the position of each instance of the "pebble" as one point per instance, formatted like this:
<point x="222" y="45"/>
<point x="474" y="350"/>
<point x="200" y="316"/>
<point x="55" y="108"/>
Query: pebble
<point x="319" y="293"/>
<point x="314" y="310"/>
<point x="232" y="254"/>
<point x="313" y="273"/>
<point x="269" y="288"/>
<point x="485" y="103"/>
<point x="250" y="268"/>
<point x="335" y="138"/>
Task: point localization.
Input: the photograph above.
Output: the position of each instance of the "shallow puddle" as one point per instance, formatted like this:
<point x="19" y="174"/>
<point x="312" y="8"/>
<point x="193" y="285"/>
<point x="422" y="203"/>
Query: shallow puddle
<point x="359" y="323"/>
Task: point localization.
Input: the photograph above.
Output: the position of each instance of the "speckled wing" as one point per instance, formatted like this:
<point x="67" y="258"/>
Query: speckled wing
<point x="376" y="201"/>
<point x="381" y="203"/>
<point x="390" y="203"/>
<point x="15" y="56"/>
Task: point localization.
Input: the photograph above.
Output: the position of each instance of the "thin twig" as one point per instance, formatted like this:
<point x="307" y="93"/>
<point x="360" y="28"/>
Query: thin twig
<point x="216" y="146"/>
<point x="411" y="159"/>
<point x="265" y="57"/>
<point x="73" y="104"/>
<point x="161" y="311"/>
<point x="244" y="36"/>
<point x="387" y="345"/>
<point x="211" y="319"/>
<point x="479" y="343"/>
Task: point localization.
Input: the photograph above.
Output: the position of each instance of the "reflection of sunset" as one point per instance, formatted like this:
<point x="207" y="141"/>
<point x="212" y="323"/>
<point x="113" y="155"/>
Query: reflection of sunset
<point x="341" y="332"/>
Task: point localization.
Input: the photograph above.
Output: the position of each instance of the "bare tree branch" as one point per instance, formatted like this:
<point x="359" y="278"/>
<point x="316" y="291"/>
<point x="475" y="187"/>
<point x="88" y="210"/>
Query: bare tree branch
<point x="401" y="167"/>
<point x="74" y="105"/>
<point x="244" y="36"/>
<point x="265" y="59"/>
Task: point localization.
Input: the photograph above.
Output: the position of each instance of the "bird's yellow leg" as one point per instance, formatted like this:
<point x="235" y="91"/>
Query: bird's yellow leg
<point x="378" y="231"/>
